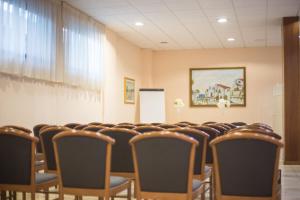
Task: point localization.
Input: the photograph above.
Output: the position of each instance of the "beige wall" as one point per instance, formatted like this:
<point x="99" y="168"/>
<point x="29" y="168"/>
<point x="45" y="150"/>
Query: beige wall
<point x="27" y="102"/>
<point x="263" y="71"/>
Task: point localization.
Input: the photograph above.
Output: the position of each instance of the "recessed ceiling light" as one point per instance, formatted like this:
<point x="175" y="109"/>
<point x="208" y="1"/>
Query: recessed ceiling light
<point x="139" y="23"/>
<point x="164" y="42"/>
<point x="222" y="20"/>
<point x="230" y="39"/>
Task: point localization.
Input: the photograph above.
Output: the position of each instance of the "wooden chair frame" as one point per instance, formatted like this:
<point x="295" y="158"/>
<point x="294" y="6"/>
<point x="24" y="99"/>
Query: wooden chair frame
<point x="95" y="126"/>
<point x="44" y="131"/>
<point x="107" y="191"/>
<point x="160" y="195"/>
<point x="239" y="135"/>
<point x="149" y="126"/>
<point x="33" y="187"/>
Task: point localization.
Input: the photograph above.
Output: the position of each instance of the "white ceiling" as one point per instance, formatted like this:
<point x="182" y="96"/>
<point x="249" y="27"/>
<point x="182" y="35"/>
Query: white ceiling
<point x="191" y="24"/>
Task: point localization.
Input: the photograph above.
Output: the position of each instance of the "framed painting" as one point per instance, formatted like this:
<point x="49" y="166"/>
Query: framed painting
<point x="209" y="85"/>
<point x="129" y="90"/>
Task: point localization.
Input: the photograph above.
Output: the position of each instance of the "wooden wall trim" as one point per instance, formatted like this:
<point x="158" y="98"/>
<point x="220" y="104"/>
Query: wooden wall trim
<point x="290" y="31"/>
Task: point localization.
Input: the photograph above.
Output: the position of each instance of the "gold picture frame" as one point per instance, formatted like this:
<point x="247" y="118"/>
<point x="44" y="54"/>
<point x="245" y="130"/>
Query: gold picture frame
<point x="129" y="90"/>
<point x="208" y="85"/>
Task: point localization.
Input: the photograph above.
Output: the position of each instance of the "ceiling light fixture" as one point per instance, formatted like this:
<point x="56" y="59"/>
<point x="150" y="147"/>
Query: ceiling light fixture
<point x="230" y="39"/>
<point x="139" y="23"/>
<point x="164" y="42"/>
<point x="222" y="20"/>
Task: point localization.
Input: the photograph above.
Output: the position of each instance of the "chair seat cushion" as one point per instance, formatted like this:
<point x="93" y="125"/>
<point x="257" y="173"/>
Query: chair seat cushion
<point x="196" y="184"/>
<point x="117" y="180"/>
<point x="44" y="177"/>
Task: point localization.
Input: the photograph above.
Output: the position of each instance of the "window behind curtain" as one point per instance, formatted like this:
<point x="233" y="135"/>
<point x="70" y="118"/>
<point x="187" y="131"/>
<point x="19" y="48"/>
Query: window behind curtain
<point x="82" y="49"/>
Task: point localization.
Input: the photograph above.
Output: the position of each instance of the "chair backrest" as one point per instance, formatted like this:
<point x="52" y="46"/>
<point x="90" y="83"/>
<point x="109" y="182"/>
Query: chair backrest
<point x="94" y="128"/>
<point x="36" y="132"/>
<point x="200" y="156"/>
<point x="209" y="122"/>
<point x="81" y="126"/>
<point x="213" y="133"/>
<point x="46" y="137"/>
<point x="189" y="123"/>
<point x="182" y="125"/>
<point x="108" y="125"/>
<point x="127" y="126"/>
<point x="145" y="129"/>
<point x="262" y="125"/>
<point x="87" y="167"/>
<point x="20" y="128"/>
<point x="71" y="125"/>
<point x="156" y="123"/>
<point x="95" y="123"/>
<point x="168" y="126"/>
<point x="125" y="123"/>
<point x="249" y="129"/>
<point x="239" y="123"/>
<point x="220" y="128"/>
<point x="163" y="162"/>
<point x="246" y="164"/>
<point x="17" y="150"/>
<point x="142" y="124"/>
<point x="224" y="126"/>
<point x="121" y="160"/>
<point x="232" y="126"/>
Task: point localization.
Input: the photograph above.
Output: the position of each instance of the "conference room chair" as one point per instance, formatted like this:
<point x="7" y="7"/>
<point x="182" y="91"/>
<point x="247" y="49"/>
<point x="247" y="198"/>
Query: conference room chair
<point x="145" y="129"/>
<point x="168" y="126"/>
<point x="224" y="126"/>
<point x="239" y="123"/>
<point x="71" y="125"/>
<point x="201" y="171"/>
<point x="125" y="123"/>
<point x="108" y="125"/>
<point x="213" y="133"/>
<point x="18" y="173"/>
<point x="209" y="122"/>
<point x="81" y="126"/>
<point x="26" y="130"/>
<point x="85" y="171"/>
<point x="127" y="126"/>
<point x="156" y="123"/>
<point x="36" y="131"/>
<point x="257" y="130"/>
<point x="262" y="125"/>
<point x="182" y="125"/>
<point x="95" y="123"/>
<point x="46" y="137"/>
<point x="189" y="123"/>
<point x="94" y="128"/>
<point x="220" y="128"/>
<point x="164" y="164"/>
<point x="142" y="124"/>
<point x="246" y="166"/>
<point x="232" y="126"/>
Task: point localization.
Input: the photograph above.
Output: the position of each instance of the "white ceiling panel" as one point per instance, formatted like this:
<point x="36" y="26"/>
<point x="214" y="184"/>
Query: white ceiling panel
<point x="190" y="24"/>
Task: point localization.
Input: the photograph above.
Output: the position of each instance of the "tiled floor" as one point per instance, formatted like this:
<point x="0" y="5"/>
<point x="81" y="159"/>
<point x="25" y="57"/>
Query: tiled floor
<point x="290" y="186"/>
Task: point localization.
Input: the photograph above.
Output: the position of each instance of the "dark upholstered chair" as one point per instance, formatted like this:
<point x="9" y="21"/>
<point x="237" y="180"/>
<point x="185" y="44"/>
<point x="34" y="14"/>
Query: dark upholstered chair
<point x="262" y="125"/>
<point x="209" y="122"/>
<point x="121" y="160"/>
<point x="224" y="126"/>
<point x="36" y="132"/>
<point x="250" y="129"/>
<point x="108" y="125"/>
<point x="95" y="123"/>
<point x="156" y="123"/>
<point x="145" y="129"/>
<point x="94" y="128"/>
<point x="81" y="126"/>
<point x="168" y="126"/>
<point x="164" y="163"/>
<point x="125" y="123"/>
<point x="25" y="130"/>
<point x="71" y="125"/>
<point x="142" y="124"/>
<point x="85" y="171"/>
<point x="201" y="171"/>
<point x="239" y="123"/>
<point x="18" y="173"/>
<point x="220" y="128"/>
<point x="232" y="126"/>
<point x="127" y="126"/>
<point x="246" y="166"/>
<point x="189" y="123"/>
<point x="213" y="133"/>
<point x="46" y="137"/>
<point x="182" y="125"/>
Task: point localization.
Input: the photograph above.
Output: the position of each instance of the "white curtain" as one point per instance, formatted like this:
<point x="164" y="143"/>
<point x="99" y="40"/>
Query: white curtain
<point x="41" y="41"/>
<point x="83" y="55"/>
<point x="13" y="30"/>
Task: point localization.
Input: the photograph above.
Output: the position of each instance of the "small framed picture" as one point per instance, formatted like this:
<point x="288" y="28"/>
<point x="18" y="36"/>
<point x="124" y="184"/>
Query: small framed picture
<point x="129" y="90"/>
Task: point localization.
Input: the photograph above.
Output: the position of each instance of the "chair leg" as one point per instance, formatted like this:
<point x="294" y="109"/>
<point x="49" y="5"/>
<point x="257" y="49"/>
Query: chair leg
<point x="14" y="195"/>
<point x="47" y="194"/>
<point x="100" y="198"/>
<point x="23" y="195"/>
<point x="3" y="195"/>
<point x="60" y="196"/>
<point x="129" y="192"/>
<point x="32" y="196"/>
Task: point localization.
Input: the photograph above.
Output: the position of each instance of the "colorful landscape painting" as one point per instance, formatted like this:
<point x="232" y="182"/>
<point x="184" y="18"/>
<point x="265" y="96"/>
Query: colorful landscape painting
<point x="208" y="85"/>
